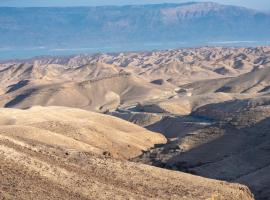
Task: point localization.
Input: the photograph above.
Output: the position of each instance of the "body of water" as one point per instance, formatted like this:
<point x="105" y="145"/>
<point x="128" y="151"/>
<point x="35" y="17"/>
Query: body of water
<point x="7" y="53"/>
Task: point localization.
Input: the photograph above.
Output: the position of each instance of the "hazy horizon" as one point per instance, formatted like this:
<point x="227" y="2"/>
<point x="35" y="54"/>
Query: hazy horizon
<point x="259" y="5"/>
<point x="63" y="31"/>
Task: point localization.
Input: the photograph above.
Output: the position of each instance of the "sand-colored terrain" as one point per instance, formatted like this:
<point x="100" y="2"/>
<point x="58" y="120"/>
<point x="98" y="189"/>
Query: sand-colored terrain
<point x="78" y="130"/>
<point x="56" y="153"/>
<point x="203" y="111"/>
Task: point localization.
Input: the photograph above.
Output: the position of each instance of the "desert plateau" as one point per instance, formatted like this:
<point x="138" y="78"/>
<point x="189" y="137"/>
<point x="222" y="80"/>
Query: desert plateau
<point x="134" y="100"/>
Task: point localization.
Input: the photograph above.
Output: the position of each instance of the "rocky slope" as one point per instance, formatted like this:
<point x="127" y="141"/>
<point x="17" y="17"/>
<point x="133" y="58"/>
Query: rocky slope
<point x="58" y="153"/>
<point x="78" y="130"/>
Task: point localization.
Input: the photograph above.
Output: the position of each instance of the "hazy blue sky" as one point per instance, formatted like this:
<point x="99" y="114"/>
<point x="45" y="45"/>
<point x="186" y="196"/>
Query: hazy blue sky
<point x="256" y="4"/>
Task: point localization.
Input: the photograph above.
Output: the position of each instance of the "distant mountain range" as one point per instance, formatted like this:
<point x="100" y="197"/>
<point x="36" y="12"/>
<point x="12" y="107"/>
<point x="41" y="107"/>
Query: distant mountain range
<point x="108" y="25"/>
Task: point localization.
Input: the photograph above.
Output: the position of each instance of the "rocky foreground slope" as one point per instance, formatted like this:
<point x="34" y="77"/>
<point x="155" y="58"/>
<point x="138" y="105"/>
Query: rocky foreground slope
<point x="58" y="153"/>
<point x="78" y="130"/>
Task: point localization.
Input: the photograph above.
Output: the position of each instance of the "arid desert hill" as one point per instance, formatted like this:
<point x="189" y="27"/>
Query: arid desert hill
<point x="125" y="78"/>
<point x="78" y="130"/>
<point x="203" y="111"/>
<point x="175" y="66"/>
<point x="58" y="153"/>
<point x="101" y="94"/>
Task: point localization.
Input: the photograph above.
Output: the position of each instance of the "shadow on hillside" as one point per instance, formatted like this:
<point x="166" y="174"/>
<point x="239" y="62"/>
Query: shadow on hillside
<point x="17" y="86"/>
<point x="232" y="157"/>
<point x="18" y="99"/>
